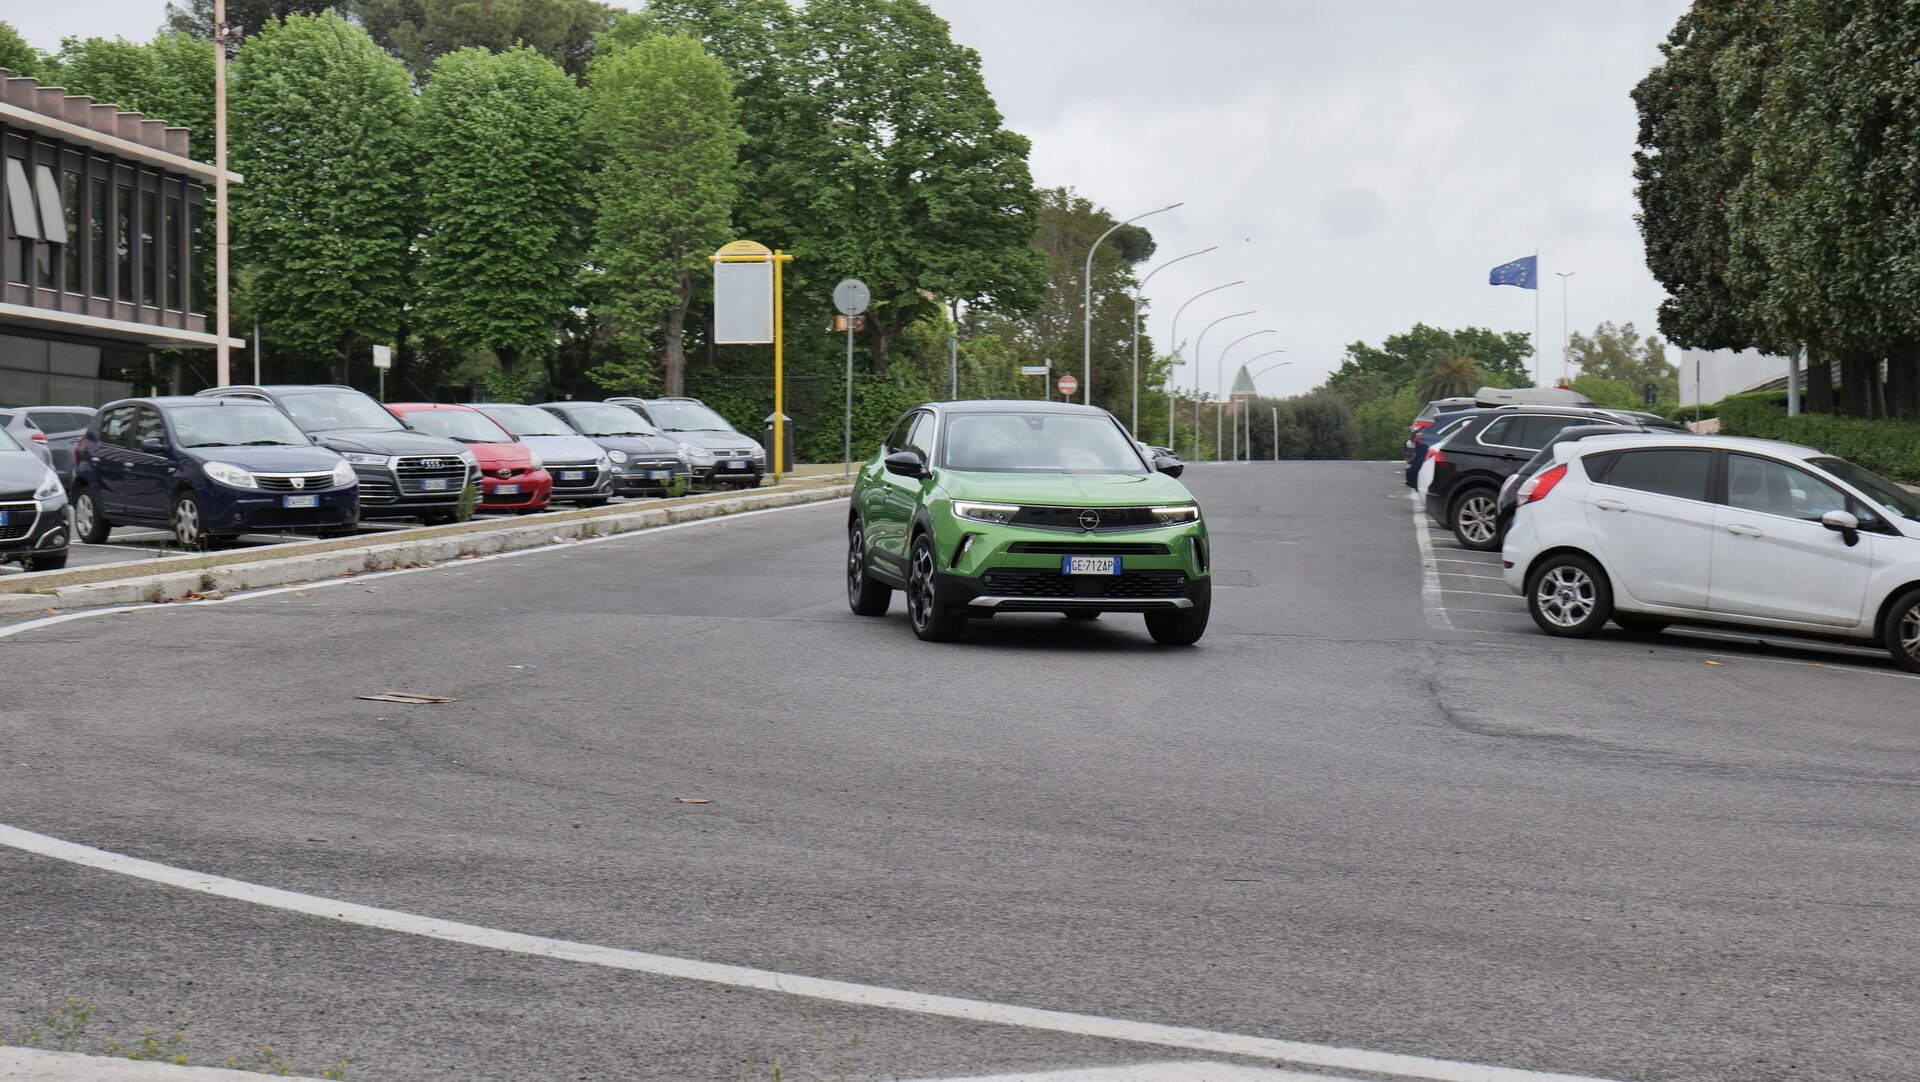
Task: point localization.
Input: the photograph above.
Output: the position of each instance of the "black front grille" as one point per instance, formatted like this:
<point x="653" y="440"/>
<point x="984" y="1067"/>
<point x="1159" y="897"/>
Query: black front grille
<point x="307" y="481"/>
<point x="1013" y="582"/>
<point x="1090" y="548"/>
<point x="414" y="473"/>
<point x="20" y="520"/>
<point x="588" y="480"/>
<point x="1071" y="518"/>
<point x="375" y="485"/>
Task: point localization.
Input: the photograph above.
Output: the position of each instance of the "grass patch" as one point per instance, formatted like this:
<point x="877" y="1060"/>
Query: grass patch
<point x="64" y="1028"/>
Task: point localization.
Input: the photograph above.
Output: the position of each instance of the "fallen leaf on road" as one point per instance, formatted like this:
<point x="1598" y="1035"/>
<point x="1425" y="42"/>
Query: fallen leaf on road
<point x="691" y="800"/>
<point x="407" y="697"/>
<point x="1713" y="663"/>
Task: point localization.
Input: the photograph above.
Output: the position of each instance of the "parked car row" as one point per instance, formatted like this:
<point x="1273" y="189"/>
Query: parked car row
<point x="319" y="459"/>
<point x="1650" y="529"/>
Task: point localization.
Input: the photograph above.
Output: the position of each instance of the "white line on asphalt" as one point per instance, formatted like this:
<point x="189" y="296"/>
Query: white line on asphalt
<point x="1292" y="1053"/>
<point x="249" y="595"/>
<point x="1480" y="593"/>
<point x="1429" y="574"/>
<point x="1149" y="1072"/>
<point x="1470" y="575"/>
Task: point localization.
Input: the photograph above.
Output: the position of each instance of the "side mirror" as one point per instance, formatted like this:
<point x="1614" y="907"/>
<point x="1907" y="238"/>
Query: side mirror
<point x="153" y="445"/>
<point x="1844" y="524"/>
<point x="1172" y="467"/>
<point x="906" y="464"/>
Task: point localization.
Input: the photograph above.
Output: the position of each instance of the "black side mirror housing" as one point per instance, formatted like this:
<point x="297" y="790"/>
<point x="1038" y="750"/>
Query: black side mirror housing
<point x="153" y="445"/>
<point x="1172" y="467"/>
<point x="906" y="464"/>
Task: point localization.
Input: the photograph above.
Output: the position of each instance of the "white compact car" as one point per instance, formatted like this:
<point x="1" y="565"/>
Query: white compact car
<point x="1651" y="530"/>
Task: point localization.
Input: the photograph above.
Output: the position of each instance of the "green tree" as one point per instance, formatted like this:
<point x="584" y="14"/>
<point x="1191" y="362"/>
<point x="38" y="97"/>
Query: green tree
<point x="1618" y="354"/>
<point x="502" y="176"/>
<point x="247" y="17"/>
<point x="662" y="122"/>
<point x="323" y="129"/>
<point x="18" y="57"/>
<point x="1451" y="372"/>
<point x="1368" y="373"/>
<point x="422" y="31"/>
<point x="169" y="78"/>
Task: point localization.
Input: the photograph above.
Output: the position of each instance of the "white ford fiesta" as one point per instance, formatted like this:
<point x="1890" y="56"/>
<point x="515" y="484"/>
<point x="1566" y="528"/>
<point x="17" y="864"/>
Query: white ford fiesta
<point x="1652" y="530"/>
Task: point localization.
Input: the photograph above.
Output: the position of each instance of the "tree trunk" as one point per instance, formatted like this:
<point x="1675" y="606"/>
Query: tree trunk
<point x="1856" y="392"/>
<point x="509" y="357"/>
<point x="1903" y="381"/>
<point x="343" y="366"/>
<point x="880" y="336"/>
<point x="673" y="324"/>
<point x="1877" y="386"/>
<point x="1819" y="388"/>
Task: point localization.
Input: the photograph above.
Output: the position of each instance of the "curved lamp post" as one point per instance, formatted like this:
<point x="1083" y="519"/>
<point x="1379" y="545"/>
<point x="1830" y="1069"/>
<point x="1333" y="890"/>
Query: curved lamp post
<point x="1086" y="304"/>
<point x="1219" y="380"/>
<point x="1135" y="427"/>
<point x="1175" y="343"/>
<point x="1276" y="409"/>
<point x="1196" y="373"/>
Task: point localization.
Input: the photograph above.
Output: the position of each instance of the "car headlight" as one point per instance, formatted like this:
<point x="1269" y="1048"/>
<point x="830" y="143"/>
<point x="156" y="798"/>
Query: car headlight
<point x="229" y="474"/>
<point x="534" y="462"/>
<point x="1000" y="514"/>
<point x="472" y="462"/>
<point x="1177" y="514"/>
<point x="361" y="458"/>
<point x="343" y="474"/>
<point x="617" y="456"/>
<point x="50" y="487"/>
<point x="688" y="452"/>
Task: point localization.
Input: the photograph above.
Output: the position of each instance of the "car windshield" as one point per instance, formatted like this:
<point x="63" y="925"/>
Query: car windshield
<point x="1884" y="492"/>
<point x="326" y="411"/>
<point x="687" y="417"/>
<point x="467" y="426"/>
<point x="610" y="421"/>
<point x="1018" y="442"/>
<point x="234" y="424"/>
<point x="527" y="421"/>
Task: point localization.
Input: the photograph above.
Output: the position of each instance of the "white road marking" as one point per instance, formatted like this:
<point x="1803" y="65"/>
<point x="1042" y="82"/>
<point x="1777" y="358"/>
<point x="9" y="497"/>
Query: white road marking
<point x="1429" y="574"/>
<point x="1273" y="1050"/>
<point x="1481" y="593"/>
<point x="1149" y="1072"/>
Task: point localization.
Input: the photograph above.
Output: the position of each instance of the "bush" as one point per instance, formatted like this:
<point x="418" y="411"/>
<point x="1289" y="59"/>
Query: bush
<point x="1891" y="448"/>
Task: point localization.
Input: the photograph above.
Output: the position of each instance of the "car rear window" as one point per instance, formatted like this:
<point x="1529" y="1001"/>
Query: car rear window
<point x="52" y="421"/>
<point x="1662" y="471"/>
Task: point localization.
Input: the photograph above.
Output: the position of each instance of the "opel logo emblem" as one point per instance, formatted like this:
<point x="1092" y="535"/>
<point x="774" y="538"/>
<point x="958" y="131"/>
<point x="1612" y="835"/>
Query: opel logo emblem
<point x="1089" y="520"/>
<point x="299" y="482"/>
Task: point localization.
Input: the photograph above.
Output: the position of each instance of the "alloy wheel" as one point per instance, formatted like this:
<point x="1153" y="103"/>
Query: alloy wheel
<point x="1565" y="596"/>
<point x="1910" y="632"/>
<point x="920" y="586"/>
<point x="856" y="563"/>
<point x="1475" y="519"/>
<point x="83" y="513"/>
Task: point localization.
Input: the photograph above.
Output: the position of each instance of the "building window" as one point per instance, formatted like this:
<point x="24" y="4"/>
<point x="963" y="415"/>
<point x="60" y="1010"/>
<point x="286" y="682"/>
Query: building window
<point x="197" y="260"/>
<point x="53" y="219"/>
<point x="71" y="204"/>
<point x="26" y="219"/>
<point x="97" y="229"/>
<point x="173" y="241"/>
<point x="149" y="249"/>
<point x="123" y="243"/>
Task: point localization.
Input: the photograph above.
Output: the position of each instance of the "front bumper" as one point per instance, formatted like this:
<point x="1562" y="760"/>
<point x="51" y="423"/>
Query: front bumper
<point x="33" y="528"/>
<point x="985" y="569"/>
<point x="639" y="478"/>
<point x="248" y="511"/>
<point x="719" y="473"/>
<point x="400" y="490"/>
<point x="533" y="491"/>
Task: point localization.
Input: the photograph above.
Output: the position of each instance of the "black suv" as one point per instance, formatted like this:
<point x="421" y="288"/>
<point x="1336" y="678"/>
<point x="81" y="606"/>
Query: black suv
<point x="1482" y="450"/>
<point x="403" y="474"/>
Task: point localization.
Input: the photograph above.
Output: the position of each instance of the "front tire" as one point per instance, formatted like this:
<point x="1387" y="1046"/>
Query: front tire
<point x="189" y="522"/>
<point x="931" y="621"/>
<point x="1475" y="519"/>
<point x="89" y="525"/>
<point x="865" y="596"/>
<point x="1900" y="631"/>
<point x="1568" y="596"/>
<point x="1179" y="627"/>
<point x="1645" y="626"/>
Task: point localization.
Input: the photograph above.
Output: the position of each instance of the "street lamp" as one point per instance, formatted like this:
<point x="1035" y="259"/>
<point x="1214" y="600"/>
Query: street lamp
<point x="1135" y="427"/>
<point x="1566" y="340"/>
<point x="1219" y="374"/>
<point x="1196" y="374"/>
<point x="1171" y="382"/>
<point x="1086" y="304"/>
<point x="1276" y="409"/>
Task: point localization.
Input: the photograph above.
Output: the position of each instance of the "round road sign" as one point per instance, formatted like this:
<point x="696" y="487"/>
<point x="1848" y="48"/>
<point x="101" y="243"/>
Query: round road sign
<point x="851" y="296"/>
<point x="1068" y="385"/>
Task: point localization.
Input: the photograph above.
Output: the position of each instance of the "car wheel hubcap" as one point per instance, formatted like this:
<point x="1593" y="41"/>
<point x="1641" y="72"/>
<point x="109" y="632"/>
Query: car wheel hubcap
<point x="186" y="523"/>
<point x="1910" y="632"/>
<point x="920" y="597"/>
<point x="856" y="572"/>
<point x="1565" y="596"/>
<point x="1476" y="519"/>
<point x="83" y="515"/>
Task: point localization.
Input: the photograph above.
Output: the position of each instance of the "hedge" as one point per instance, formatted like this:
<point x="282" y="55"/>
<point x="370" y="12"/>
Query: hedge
<point x="1890" y="448"/>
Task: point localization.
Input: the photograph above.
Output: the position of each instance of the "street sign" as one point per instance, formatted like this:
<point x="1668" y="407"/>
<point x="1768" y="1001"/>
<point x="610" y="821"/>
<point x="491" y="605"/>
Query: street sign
<point x="382" y="357"/>
<point x="851" y="296"/>
<point x="1035" y="369"/>
<point x="1068" y="385"/>
<point x="743" y="294"/>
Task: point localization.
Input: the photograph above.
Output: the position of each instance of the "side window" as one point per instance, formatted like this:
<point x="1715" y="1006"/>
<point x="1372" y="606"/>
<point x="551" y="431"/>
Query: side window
<point x="1775" y="488"/>
<point x="1500" y="432"/>
<point x="897" y="439"/>
<point x="1663" y="472"/>
<point x="1598" y="465"/>
<point x="116" y="427"/>
<point x="146" y="426"/>
<point x="1537" y="432"/>
<point x="920" y="436"/>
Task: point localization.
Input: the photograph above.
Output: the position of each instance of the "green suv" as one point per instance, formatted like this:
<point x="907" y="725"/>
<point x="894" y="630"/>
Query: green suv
<point x="976" y="508"/>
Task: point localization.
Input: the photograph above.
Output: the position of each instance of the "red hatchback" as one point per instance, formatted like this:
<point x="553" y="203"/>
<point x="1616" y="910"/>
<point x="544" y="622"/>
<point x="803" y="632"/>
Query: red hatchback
<point x="511" y="475"/>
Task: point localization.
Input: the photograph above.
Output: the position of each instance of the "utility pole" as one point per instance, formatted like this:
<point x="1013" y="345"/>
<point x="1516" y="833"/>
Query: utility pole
<point x="1566" y="336"/>
<point x="223" y="361"/>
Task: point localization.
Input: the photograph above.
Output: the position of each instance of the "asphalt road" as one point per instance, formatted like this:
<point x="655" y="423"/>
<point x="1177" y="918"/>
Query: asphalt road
<point x="1372" y="808"/>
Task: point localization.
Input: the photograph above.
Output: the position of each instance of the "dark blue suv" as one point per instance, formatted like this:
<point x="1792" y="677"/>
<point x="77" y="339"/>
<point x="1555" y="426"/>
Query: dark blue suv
<point x="207" y="468"/>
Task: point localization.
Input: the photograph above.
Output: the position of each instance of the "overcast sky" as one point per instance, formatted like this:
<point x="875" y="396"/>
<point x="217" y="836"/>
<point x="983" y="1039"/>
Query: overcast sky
<point x="1361" y="165"/>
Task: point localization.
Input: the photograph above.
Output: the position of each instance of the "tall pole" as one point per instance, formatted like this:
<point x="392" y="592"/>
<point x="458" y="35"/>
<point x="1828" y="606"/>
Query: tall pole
<point x="1172" y="383"/>
<point x="1536" y="317"/>
<point x="256" y="353"/>
<point x="222" y="359"/>
<point x="1276" y="410"/>
<point x="779" y="374"/>
<point x="1276" y="433"/>
<point x="1198" y="342"/>
<point x="1135" y="427"/>
<point x="1086" y="304"/>
<point x="1566" y="336"/>
<point x="846" y="437"/>
<point x="1219" y="381"/>
<point x="953" y="366"/>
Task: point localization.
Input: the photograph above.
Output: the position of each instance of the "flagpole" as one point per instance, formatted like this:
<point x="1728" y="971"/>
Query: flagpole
<point x="1536" y="317"/>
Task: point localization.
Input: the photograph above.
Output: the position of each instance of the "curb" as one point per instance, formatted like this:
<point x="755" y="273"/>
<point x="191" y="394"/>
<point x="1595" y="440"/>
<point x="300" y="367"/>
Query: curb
<point x="40" y="1065"/>
<point x="325" y="560"/>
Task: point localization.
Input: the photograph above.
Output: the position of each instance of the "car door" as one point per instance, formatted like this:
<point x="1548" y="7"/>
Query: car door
<point x="1651" y="517"/>
<point x="1772" y="557"/>
<point x="107" y="460"/>
<point x="898" y="497"/>
<point x="149" y="474"/>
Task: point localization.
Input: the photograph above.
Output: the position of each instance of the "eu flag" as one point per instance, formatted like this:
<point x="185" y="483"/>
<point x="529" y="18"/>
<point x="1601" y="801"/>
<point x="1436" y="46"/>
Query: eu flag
<point x="1524" y="273"/>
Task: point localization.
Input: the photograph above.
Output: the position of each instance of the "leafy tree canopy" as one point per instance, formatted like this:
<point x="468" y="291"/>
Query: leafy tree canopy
<point x="1619" y="354"/>
<point x="420" y="31"/>
<point x="17" y="56"/>
<point x="169" y="78"/>
<point x="246" y="17"/>
<point x="1369" y="373"/>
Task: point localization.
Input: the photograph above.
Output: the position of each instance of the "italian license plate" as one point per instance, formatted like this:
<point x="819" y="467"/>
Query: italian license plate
<point x="506" y="490"/>
<point x="736" y="464"/>
<point x="433" y="484"/>
<point x="573" y="475"/>
<point x="659" y="475"/>
<point x="299" y="501"/>
<point x="1090" y="565"/>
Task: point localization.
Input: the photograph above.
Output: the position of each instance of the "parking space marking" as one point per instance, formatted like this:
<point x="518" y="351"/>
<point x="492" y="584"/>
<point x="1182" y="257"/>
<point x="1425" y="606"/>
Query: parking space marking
<point x="1429" y="574"/>
<point x="1200" y="1071"/>
<point x="1273" y="1050"/>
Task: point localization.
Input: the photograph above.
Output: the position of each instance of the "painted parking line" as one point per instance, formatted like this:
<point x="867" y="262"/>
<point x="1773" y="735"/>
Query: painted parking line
<point x="1148" y="1072"/>
<point x="1188" y="1038"/>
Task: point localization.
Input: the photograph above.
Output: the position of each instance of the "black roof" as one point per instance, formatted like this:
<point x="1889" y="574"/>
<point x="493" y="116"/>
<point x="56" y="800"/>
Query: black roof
<point x="1013" y="405"/>
<point x="174" y="401"/>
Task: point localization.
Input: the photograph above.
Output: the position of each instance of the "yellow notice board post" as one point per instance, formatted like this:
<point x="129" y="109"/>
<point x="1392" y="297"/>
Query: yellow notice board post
<point x="747" y="310"/>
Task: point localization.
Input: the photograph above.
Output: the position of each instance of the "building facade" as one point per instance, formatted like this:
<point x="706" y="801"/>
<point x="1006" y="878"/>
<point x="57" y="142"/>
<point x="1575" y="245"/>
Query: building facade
<point x="105" y="236"/>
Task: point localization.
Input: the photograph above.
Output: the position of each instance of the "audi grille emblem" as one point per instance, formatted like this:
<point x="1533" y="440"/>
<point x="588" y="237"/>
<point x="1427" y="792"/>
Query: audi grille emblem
<point x="433" y="463"/>
<point x="1089" y="520"/>
<point x="299" y="482"/>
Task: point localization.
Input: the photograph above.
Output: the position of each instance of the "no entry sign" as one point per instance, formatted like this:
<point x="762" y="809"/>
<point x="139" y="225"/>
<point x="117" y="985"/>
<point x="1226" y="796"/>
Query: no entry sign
<point x="1068" y="385"/>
